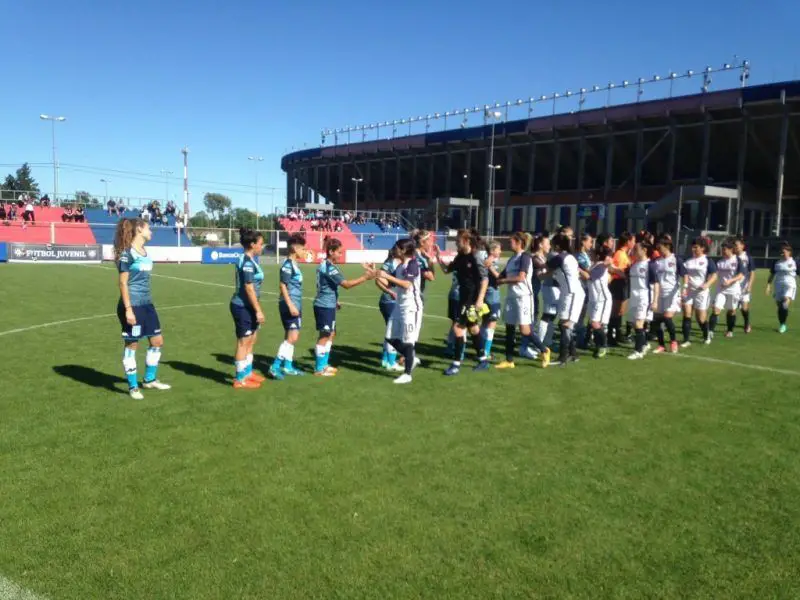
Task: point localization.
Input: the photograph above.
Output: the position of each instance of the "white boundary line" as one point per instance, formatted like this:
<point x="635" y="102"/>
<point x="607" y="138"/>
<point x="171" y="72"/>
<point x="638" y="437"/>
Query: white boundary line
<point x="224" y="285"/>
<point x="12" y="591"/>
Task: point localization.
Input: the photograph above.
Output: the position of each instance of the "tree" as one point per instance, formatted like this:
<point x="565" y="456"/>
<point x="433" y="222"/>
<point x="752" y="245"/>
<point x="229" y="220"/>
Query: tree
<point x="25" y="181"/>
<point x="7" y="188"/>
<point x="82" y="197"/>
<point x="216" y="204"/>
<point x="199" y="220"/>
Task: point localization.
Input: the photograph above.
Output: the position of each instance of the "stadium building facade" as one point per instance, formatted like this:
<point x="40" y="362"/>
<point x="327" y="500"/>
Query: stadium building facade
<point x="597" y="169"/>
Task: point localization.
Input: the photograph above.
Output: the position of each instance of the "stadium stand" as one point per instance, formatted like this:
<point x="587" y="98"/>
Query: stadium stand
<point x="40" y="232"/>
<point x="383" y="240"/>
<point x="101" y="224"/>
<point x="314" y="239"/>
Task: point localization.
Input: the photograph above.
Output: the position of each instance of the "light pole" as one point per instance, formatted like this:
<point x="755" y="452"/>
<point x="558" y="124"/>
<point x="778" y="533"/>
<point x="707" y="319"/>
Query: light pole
<point x="356" y="180"/>
<point x="256" y="160"/>
<point x="166" y="175"/>
<point x="494" y="115"/>
<point x="53" y="120"/>
<point x="106" y="182"/>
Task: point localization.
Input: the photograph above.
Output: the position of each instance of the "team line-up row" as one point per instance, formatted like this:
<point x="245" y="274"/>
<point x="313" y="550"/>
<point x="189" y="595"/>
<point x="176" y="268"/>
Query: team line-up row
<point x="641" y="280"/>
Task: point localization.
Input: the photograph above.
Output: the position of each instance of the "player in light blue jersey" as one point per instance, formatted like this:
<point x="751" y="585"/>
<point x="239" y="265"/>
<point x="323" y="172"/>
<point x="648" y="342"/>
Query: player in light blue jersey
<point x="137" y="315"/>
<point x="326" y="303"/>
<point x="492" y="299"/>
<point x="290" y="307"/>
<point x="387" y="303"/>
<point x="246" y="309"/>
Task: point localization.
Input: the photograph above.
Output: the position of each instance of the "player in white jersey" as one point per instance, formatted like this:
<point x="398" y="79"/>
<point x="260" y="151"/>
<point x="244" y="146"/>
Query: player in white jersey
<point x="518" y="311"/>
<point x="566" y="273"/>
<point x="402" y="330"/>
<point x="729" y="288"/>
<point x="550" y="292"/>
<point x="600" y="301"/>
<point x="783" y="280"/>
<point x="747" y="283"/>
<point x="700" y="274"/>
<point x="667" y="293"/>
<point x="640" y="276"/>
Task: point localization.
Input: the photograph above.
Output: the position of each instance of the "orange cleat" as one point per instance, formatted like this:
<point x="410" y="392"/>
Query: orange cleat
<point x="256" y="377"/>
<point x="247" y="384"/>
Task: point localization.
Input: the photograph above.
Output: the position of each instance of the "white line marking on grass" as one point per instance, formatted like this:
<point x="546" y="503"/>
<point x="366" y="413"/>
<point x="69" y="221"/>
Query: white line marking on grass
<point x="94" y="317"/>
<point x="11" y="591"/>
<point x="732" y="363"/>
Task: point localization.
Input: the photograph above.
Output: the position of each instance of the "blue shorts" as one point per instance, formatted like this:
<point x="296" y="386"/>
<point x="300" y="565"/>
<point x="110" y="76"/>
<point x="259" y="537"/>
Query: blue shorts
<point x="147" y="323"/>
<point x="289" y="322"/>
<point x="244" y="320"/>
<point x="387" y="308"/>
<point x="493" y="316"/>
<point x="453" y="308"/>
<point x="325" y="318"/>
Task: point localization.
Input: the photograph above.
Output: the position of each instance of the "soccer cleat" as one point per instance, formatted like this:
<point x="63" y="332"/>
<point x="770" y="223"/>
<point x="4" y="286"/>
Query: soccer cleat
<point x="686" y="344"/>
<point x="546" y="358"/>
<point x="646" y="349"/>
<point x="673" y="347"/>
<point x="659" y="350"/>
<point x="707" y="341"/>
<point x="483" y="365"/>
<point x="417" y="362"/>
<point x="638" y="355"/>
<point x="384" y="364"/>
<point x="246" y="384"/>
<point x="326" y="372"/>
<point x="395" y="367"/>
<point x="506" y="364"/>
<point x="600" y="352"/>
<point x="782" y="328"/>
<point x="274" y="373"/>
<point x="155" y="385"/>
<point x="452" y="370"/>
<point x="257" y="377"/>
<point x="404" y="378"/>
<point x="748" y="328"/>
<point x="292" y="371"/>
<point x="573" y="359"/>
<point x="136" y="394"/>
<point x="728" y="334"/>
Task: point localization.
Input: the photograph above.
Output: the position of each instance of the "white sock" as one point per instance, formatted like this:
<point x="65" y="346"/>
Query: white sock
<point x="289" y="355"/>
<point x="249" y="359"/>
<point x="283" y="352"/>
<point x="490" y="334"/>
<point x="320" y="349"/>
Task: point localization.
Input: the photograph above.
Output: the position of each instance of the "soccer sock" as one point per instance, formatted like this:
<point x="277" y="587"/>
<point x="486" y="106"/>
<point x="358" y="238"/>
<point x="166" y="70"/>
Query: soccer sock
<point x="151" y="363"/>
<point x="533" y="340"/>
<point x="712" y="322"/>
<point x="542" y="328"/>
<point x="129" y="364"/>
<point x="391" y="354"/>
<point x="670" y="328"/>
<point x="687" y="328"/>
<point x="566" y="339"/>
<point x="704" y="329"/>
<point x="408" y="352"/>
<point x="241" y="369"/>
<point x="550" y="327"/>
<point x="641" y="340"/>
<point x="731" y="321"/>
<point x="628" y="328"/>
<point x="328" y="347"/>
<point x="573" y="352"/>
<point x="477" y="343"/>
<point x="659" y="329"/>
<point x="249" y="360"/>
<point x="746" y="315"/>
<point x="319" y="356"/>
<point x="783" y="313"/>
<point x="511" y="342"/>
<point x="488" y="338"/>
<point x="598" y="337"/>
<point x="603" y="337"/>
<point x="459" y="355"/>
<point x="451" y="340"/>
<point x="463" y="348"/>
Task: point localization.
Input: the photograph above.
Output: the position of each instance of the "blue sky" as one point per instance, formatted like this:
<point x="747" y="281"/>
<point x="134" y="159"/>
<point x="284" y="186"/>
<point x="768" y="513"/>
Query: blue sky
<point x="139" y="80"/>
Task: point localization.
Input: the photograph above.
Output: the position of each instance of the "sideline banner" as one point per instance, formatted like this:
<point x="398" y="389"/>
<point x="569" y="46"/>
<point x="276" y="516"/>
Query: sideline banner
<point x="54" y="253"/>
<point x="3" y="252"/>
<point x="221" y="256"/>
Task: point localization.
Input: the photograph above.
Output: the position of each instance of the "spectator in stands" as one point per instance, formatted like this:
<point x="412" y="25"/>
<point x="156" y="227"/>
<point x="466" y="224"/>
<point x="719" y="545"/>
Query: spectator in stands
<point x="121" y="209"/>
<point x="69" y="215"/>
<point x="3" y="213"/>
<point x="80" y="215"/>
<point x="112" y="208"/>
<point x="28" y="215"/>
<point x="145" y="214"/>
<point x="170" y="209"/>
<point x="45" y="201"/>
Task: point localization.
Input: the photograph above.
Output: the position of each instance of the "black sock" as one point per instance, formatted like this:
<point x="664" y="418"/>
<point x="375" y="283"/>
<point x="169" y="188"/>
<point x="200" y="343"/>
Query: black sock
<point x="603" y="338"/>
<point x="783" y="313"/>
<point x="659" y="329"/>
<point x="614" y="325"/>
<point x="397" y="344"/>
<point x="573" y="352"/>
<point x="459" y="349"/>
<point x="731" y="321"/>
<point x="687" y="328"/>
<point x="704" y="329"/>
<point x="566" y="339"/>
<point x="534" y="340"/>
<point x="641" y="340"/>
<point x="477" y="343"/>
<point x="628" y="328"/>
<point x="408" y="352"/>
<point x="712" y="322"/>
<point x="511" y="342"/>
<point x="670" y="328"/>
<point x="746" y="316"/>
<point x="598" y="337"/>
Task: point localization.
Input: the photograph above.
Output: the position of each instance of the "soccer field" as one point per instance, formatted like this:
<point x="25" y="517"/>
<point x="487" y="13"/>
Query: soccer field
<point x="671" y="477"/>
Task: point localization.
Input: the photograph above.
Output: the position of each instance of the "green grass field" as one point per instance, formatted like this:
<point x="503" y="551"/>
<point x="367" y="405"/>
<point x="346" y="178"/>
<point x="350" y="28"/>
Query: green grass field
<point x="672" y="477"/>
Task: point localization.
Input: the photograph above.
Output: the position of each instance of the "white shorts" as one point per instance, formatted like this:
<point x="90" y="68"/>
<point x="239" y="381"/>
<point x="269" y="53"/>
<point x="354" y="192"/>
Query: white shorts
<point x="570" y="306"/>
<point x="726" y="301"/>
<point x="784" y="291"/>
<point x="744" y="298"/>
<point x="600" y="310"/>
<point x="518" y="310"/>
<point x="404" y="326"/>
<point x="550" y="299"/>
<point x="670" y="302"/>
<point x="697" y="298"/>
<point x="639" y="308"/>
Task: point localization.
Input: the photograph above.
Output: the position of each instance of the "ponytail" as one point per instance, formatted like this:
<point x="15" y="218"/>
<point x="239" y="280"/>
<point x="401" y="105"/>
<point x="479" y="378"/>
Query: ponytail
<point x="124" y="234"/>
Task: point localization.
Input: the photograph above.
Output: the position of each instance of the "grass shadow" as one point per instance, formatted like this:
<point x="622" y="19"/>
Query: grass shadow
<point x="194" y="370"/>
<point x="92" y="377"/>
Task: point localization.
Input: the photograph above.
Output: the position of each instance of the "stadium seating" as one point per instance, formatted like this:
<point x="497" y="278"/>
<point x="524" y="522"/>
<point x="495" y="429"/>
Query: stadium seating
<point x="383" y="240"/>
<point x="314" y="239"/>
<point x="102" y="225"/>
<point x="40" y="233"/>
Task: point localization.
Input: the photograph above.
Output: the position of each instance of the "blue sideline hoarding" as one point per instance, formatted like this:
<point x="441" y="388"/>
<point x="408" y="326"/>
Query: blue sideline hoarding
<point x="221" y="256"/>
<point x="3" y="252"/>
